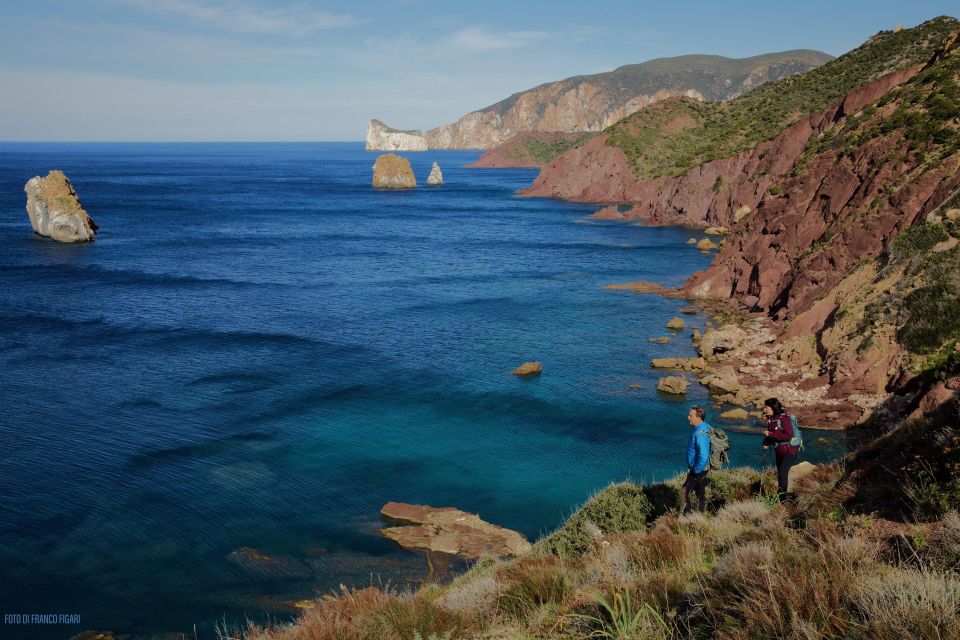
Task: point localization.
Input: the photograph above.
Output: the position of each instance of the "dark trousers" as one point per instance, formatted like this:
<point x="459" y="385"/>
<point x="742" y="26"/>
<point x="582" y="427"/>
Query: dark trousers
<point x="784" y="462"/>
<point x="697" y="483"/>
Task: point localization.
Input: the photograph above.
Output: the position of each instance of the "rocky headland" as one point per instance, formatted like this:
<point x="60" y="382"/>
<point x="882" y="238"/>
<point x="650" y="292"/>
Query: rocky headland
<point x="381" y="137"/>
<point x="55" y="211"/>
<point x="593" y="102"/>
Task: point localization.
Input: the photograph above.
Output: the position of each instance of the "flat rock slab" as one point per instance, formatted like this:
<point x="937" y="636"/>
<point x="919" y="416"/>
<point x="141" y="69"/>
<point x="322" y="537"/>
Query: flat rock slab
<point x="450" y="531"/>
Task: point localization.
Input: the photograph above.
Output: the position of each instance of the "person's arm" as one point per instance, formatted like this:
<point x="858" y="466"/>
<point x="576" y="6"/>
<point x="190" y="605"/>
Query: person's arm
<point x="692" y="452"/>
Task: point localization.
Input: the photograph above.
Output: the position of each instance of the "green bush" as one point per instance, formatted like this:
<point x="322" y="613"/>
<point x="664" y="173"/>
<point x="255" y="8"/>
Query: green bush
<point x="918" y="239"/>
<point x="932" y="493"/>
<point x="619" y="508"/>
<point x="932" y="316"/>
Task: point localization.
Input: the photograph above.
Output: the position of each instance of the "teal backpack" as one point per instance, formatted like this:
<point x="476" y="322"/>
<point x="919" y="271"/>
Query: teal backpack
<point x="797" y="439"/>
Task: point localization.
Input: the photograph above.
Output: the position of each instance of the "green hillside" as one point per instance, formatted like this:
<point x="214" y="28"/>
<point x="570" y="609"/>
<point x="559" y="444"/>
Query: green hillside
<point x="673" y="136"/>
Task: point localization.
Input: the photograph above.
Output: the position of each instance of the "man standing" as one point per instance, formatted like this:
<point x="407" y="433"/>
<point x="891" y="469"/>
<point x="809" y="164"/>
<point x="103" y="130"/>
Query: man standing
<point x="698" y="461"/>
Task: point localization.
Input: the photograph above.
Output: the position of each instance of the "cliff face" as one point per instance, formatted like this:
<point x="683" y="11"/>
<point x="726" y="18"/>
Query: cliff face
<point x="852" y="255"/>
<point x="380" y="137"/>
<point x="594" y="102"/>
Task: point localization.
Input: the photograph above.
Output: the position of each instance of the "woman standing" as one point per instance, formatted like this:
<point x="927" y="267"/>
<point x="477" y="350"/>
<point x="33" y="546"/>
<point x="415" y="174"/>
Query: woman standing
<point x="779" y="435"/>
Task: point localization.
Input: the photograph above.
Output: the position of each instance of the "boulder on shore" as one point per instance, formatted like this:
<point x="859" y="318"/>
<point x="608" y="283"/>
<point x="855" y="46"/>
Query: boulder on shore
<point x="391" y="171"/>
<point x="436" y="176"/>
<point x="676" y="385"/>
<point x="528" y="369"/>
<point x="55" y="211"/>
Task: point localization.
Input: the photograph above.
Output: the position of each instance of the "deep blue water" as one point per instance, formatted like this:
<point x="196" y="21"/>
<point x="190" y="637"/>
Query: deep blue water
<point x="259" y="350"/>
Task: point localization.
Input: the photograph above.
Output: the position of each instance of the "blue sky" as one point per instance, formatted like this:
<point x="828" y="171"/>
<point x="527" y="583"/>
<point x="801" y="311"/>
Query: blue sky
<point x="278" y="70"/>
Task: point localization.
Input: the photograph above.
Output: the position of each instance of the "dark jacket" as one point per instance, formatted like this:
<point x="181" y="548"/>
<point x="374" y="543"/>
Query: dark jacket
<point x="779" y="433"/>
<point x="698" y="449"/>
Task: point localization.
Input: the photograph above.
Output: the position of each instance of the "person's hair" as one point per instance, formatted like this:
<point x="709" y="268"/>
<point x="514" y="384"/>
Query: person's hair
<point x="774" y="404"/>
<point x="700" y="411"/>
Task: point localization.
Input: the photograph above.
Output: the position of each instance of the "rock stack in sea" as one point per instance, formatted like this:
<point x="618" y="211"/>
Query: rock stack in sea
<point x="436" y="176"/>
<point x="55" y="211"/>
<point x="390" y="171"/>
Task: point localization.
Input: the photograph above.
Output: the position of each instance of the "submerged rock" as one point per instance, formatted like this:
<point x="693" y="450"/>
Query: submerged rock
<point x="55" y="211"/>
<point x="391" y="171"/>
<point x="451" y="531"/>
<point x="269" y="567"/>
<point x="436" y="176"/>
<point x="529" y="369"/>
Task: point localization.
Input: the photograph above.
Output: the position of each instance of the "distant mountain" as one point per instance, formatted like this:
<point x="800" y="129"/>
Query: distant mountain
<point x="594" y="102"/>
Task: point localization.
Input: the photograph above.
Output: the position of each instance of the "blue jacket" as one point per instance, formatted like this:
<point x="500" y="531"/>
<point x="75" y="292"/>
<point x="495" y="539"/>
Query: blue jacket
<point x="698" y="451"/>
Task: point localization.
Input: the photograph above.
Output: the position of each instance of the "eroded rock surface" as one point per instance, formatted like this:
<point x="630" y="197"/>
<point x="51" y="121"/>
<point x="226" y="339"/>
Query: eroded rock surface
<point x="55" y="211"/>
<point x="391" y="171"/>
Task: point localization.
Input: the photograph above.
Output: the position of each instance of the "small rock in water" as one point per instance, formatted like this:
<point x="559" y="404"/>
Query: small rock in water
<point x="436" y="176"/>
<point x="661" y="340"/>
<point x="735" y="414"/>
<point x="676" y="385"/>
<point x="676" y="323"/>
<point x="706" y="245"/>
<point x="528" y="369"/>
<point x="391" y="171"/>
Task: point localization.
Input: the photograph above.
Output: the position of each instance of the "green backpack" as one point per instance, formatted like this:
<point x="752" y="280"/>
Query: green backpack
<point x="719" y="448"/>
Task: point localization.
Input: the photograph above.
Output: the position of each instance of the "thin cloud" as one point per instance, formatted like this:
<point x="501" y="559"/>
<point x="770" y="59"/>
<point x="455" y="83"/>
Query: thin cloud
<point x="247" y="17"/>
<point x="478" y="39"/>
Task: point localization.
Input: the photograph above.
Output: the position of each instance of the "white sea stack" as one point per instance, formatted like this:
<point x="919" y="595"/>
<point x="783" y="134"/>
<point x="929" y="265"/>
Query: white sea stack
<point x="381" y="137"/>
<point x="436" y="176"/>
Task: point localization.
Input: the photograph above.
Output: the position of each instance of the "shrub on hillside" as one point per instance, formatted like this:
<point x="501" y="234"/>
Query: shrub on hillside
<point x="619" y="508"/>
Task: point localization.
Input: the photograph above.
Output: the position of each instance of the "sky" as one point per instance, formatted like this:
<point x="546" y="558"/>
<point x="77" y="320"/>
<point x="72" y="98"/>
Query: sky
<point x="224" y="70"/>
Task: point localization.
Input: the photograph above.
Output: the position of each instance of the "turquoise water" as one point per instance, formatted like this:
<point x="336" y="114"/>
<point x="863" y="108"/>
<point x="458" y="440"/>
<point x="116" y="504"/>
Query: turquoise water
<point x="259" y="350"/>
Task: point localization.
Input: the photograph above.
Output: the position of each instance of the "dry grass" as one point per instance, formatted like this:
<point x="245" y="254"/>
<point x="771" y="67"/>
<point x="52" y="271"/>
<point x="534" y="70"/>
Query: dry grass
<point x="751" y="570"/>
<point x="904" y="603"/>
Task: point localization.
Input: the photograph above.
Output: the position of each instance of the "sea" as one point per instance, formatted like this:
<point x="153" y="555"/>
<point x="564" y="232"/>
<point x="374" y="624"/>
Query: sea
<point x="259" y="351"/>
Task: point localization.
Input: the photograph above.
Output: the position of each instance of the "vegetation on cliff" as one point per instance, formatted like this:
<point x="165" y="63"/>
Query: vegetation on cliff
<point x="675" y="135"/>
